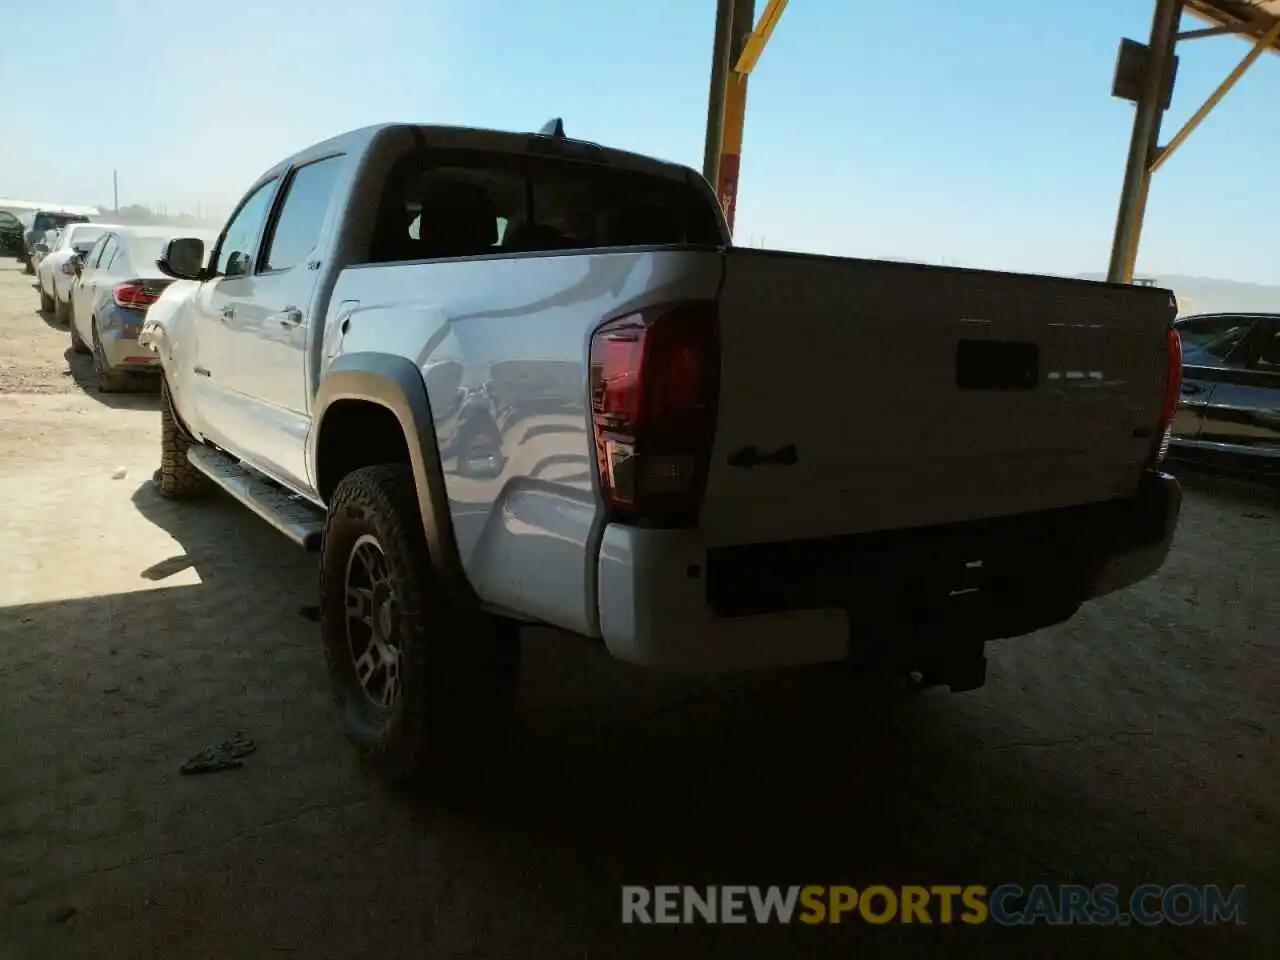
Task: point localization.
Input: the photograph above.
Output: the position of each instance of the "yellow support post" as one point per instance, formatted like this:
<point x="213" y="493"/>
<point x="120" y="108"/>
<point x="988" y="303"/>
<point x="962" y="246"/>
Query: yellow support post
<point x="747" y="45"/>
<point x="735" y="113"/>
<point x="1143" y="141"/>
<point x="760" y="36"/>
<point x="1264" y="44"/>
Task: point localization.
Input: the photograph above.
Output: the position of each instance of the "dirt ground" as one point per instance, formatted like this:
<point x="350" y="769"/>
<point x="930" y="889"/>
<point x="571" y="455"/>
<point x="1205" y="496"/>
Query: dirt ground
<point x="1135" y="744"/>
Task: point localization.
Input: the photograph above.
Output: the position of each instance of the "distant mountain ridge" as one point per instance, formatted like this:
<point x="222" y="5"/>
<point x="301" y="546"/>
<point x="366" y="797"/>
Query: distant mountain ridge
<point x="1209" y="294"/>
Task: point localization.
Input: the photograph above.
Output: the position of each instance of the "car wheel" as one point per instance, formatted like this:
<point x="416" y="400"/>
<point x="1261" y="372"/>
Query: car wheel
<point x="77" y="341"/>
<point x="177" y="478"/>
<point x="109" y="381"/>
<point x="426" y="687"/>
<point x="27" y="268"/>
<point x="61" y="309"/>
<point x="46" y="302"/>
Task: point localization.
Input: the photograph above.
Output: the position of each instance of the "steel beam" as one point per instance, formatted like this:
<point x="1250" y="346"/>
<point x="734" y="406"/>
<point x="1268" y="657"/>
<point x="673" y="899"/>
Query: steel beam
<point x="1143" y="141"/>
<point x="1261" y="46"/>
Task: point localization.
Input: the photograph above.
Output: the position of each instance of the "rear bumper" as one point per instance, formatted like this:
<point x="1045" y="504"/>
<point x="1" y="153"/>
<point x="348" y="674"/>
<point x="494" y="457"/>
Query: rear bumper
<point x="118" y="330"/>
<point x="666" y="600"/>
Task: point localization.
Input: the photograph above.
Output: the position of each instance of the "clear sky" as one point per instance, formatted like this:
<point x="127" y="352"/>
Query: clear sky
<point x="985" y="136"/>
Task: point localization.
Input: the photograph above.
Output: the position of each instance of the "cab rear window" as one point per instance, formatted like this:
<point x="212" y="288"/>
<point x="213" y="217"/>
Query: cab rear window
<point x="440" y="204"/>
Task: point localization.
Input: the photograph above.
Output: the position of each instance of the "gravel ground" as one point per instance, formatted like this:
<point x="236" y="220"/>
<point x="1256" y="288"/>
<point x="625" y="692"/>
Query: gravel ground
<point x="1134" y="744"/>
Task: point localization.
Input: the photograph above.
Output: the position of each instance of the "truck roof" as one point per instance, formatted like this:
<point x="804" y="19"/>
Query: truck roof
<point x="471" y="138"/>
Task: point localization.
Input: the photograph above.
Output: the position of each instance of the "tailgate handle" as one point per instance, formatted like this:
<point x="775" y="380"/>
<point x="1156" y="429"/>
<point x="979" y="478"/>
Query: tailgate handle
<point x="997" y="365"/>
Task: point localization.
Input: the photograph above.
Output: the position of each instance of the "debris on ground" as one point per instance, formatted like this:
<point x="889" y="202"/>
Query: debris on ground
<point x="227" y="755"/>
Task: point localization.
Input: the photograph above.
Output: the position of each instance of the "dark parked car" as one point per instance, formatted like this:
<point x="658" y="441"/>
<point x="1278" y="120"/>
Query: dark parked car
<point x="1229" y="414"/>
<point x="11" y="231"/>
<point x="44" y="221"/>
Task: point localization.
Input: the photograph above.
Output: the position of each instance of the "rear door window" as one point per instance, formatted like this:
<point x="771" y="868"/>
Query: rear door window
<point x="109" y="253"/>
<point x="99" y="258"/>
<point x="444" y="204"/>
<point x="95" y="253"/>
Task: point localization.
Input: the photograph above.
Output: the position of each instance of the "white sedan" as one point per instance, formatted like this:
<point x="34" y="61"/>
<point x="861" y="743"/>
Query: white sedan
<point x="57" y="270"/>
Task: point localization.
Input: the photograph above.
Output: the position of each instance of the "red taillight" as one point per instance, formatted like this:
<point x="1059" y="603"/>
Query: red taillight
<point x="1172" y="393"/>
<point x="654" y="384"/>
<point x="133" y="296"/>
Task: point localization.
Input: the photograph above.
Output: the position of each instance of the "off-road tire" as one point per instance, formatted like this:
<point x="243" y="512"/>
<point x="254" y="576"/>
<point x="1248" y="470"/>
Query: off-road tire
<point x="459" y="668"/>
<point x="176" y="479"/>
<point x="47" y="304"/>
<point x="61" y="311"/>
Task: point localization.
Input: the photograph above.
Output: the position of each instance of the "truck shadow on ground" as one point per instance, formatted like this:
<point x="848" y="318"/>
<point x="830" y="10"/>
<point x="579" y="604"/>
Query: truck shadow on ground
<point x="143" y="393"/>
<point x="615" y="776"/>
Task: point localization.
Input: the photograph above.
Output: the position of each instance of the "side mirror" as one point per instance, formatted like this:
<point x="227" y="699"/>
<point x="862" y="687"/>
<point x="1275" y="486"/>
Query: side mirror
<point x="183" y="259"/>
<point x="41" y="247"/>
<point x="78" y="262"/>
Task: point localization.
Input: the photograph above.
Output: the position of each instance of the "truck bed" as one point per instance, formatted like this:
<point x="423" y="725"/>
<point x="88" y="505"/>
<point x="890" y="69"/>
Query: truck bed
<point x="915" y="396"/>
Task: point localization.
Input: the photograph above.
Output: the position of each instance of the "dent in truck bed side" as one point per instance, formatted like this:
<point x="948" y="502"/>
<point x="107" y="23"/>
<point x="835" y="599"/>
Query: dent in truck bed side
<point x="395" y="384"/>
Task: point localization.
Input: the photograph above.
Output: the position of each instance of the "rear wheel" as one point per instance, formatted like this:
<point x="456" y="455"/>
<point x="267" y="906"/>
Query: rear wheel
<point x="176" y="479"/>
<point x="77" y="341"/>
<point x="109" y="381"/>
<point x="426" y="687"/>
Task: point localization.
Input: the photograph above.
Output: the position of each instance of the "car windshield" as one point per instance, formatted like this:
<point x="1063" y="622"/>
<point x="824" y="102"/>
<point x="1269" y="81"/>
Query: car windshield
<point x="51" y="221"/>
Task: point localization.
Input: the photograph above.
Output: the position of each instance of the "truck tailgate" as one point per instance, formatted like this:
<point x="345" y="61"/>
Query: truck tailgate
<point x="865" y="395"/>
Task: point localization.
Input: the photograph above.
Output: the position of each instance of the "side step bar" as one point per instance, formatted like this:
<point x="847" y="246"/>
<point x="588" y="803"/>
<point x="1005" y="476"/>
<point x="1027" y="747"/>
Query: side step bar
<point x="300" y="521"/>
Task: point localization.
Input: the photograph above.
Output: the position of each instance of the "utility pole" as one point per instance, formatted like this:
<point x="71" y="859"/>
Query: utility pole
<point x="115" y="191"/>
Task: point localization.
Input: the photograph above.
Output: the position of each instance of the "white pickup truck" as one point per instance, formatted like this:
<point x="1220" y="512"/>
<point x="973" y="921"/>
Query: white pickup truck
<point x="499" y="379"/>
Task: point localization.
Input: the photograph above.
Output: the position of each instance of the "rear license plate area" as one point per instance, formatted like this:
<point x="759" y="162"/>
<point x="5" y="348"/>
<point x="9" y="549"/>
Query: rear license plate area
<point x="997" y="365"/>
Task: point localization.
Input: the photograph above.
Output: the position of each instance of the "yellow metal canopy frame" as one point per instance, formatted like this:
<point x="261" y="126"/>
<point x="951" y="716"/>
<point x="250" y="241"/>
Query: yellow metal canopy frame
<point x="740" y="40"/>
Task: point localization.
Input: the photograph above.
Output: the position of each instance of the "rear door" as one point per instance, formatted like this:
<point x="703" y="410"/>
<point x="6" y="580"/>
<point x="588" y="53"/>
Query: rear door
<point x="1243" y="410"/>
<point x="883" y="396"/>
<point x="1206" y="342"/>
<point x="87" y="288"/>
<point x="268" y="337"/>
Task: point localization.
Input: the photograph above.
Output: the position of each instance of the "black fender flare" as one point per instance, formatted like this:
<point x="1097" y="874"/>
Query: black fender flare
<point x="396" y="384"/>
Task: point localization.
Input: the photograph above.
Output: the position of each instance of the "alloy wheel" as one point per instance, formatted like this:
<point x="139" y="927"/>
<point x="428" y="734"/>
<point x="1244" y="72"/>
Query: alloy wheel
<point x="373" y="622"/>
